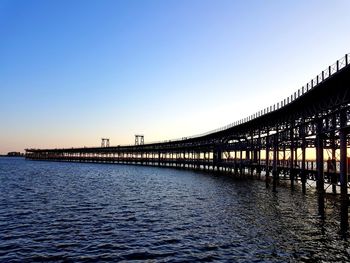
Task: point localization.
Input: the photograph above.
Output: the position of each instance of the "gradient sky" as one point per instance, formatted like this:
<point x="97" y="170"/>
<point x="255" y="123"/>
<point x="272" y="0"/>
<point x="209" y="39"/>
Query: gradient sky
<point x="72" y="71"/>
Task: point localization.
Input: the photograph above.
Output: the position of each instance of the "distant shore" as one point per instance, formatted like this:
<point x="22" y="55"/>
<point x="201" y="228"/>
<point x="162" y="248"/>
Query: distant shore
<point x="4" y="155"/>
<point x="12" y="155"/>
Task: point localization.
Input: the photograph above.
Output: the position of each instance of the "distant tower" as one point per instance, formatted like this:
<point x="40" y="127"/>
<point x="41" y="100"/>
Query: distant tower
<point x="139" y="139"/>
<point x="104" y="142"/>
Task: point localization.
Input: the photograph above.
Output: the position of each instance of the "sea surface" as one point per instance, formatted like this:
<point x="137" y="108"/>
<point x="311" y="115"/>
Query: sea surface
<point x="75" y="212"/>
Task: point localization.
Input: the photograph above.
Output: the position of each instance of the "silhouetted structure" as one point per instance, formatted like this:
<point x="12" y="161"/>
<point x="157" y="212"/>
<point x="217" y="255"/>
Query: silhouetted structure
<point x="272" y="142"/>
<point x="104" y="142"/>
<point x="139" y="140"/>
<point x="14" y="154"/>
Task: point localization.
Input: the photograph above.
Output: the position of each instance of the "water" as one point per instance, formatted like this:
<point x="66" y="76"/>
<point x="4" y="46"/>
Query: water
<point x="71" y="212"/>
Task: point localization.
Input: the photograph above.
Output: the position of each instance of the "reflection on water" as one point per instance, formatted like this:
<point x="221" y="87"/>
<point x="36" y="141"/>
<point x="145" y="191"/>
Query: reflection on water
<point x="83" y="212"/>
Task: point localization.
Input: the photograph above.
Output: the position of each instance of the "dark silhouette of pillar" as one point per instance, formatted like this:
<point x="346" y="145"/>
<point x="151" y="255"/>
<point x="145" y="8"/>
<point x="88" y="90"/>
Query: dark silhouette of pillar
<point x="320" y="168"/>
<point x="333" y="172"/>
<point x="303" y="171"/>
<point x="344" y="220"/>
<point x="291" y="158"/>
<point x="275" y="160"/>
<point x="267" y="160"/>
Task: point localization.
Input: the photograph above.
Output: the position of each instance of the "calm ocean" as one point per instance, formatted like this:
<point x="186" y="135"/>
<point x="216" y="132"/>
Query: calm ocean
<point x="72" y="212"/>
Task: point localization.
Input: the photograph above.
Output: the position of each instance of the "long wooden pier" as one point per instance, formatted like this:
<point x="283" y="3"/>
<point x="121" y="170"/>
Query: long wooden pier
<point x="275" y="142"/>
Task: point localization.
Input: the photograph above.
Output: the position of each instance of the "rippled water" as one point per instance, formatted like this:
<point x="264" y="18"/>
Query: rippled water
<point x="93" y="212"/>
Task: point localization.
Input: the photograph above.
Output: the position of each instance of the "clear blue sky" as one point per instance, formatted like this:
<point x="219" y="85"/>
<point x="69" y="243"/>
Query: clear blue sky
<point x="72" y="72"/>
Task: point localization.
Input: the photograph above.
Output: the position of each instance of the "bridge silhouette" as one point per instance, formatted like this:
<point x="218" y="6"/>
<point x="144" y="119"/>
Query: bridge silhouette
<point x="273" y="144"/>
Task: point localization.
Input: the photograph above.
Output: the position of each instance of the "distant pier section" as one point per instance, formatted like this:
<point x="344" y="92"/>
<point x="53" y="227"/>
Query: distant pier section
<point x="13" y="154"/>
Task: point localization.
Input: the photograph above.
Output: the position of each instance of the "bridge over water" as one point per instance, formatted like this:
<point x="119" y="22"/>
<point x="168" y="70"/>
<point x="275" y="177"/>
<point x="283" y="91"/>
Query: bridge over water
<point x="302" y="139"/>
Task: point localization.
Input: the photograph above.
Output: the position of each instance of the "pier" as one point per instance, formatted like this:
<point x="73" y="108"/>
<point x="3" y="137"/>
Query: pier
<point x="300" y="139"/>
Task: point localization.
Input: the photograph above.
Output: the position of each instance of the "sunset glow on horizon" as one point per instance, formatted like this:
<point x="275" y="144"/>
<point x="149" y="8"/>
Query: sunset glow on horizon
<point x="74" y="72"/>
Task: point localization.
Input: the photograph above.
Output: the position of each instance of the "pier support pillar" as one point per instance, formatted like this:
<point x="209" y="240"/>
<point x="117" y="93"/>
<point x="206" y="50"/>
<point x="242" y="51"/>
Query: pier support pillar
<point x="303" y="172"/>
<point x="333" y="171"/>
<point x="247" y="160"/>
<point x="275" y="160"/>
<point x="344" y="217"/>
<point x="259" y="156"/>
<point x="320" y="168"/>
<point x="235" y="164"/>
<point x="255" y="162"/>
<point x="217" y="158"/>
<point x="241" y="162"/>
<point x="291" y="159"/>
<point x="267" y="163"/>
